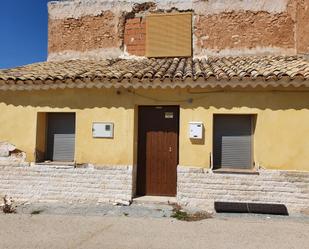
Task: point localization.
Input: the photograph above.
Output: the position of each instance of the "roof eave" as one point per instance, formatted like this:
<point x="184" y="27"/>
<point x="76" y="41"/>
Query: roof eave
<point x="210" y="83"/>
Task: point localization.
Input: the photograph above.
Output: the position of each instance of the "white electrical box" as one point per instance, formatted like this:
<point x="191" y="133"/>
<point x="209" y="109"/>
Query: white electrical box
<point x="196" y="130"/>
<point x="102" y="130"/>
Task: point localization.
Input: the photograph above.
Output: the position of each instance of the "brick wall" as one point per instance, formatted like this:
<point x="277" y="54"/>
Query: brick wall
<point x="135" y="36"/>
<point x="198" y="187"/>
<point x="43" y="183"/>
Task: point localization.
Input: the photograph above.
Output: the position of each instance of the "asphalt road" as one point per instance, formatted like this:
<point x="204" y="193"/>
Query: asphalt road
<point x="80" y="231"/>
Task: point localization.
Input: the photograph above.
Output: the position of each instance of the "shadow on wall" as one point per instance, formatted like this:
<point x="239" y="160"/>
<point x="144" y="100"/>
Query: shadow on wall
<point x="80" y="99"/>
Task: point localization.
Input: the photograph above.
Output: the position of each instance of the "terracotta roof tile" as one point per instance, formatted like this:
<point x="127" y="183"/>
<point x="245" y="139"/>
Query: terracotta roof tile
<point x="168" y="72"/>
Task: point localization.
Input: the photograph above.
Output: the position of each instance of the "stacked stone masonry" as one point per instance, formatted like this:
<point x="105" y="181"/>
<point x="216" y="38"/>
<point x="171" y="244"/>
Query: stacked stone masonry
<point x="9" y="155"/>
<point x="198" y="187"/>
<point x="49" y="184"/>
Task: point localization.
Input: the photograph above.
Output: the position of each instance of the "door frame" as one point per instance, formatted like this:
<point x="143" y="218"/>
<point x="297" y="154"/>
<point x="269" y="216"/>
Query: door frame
<point x="138" y="121"/>
<point x="48" y="114"/>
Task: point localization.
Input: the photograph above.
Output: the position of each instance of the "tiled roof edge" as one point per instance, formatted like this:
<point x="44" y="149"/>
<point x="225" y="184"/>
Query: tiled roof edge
<point x="223" y="84"/>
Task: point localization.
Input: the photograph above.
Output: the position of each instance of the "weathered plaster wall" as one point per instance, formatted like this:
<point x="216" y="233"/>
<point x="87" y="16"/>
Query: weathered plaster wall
<point x="302" y="29"/>
<point x="78" y="8"/>
<point x="244" y="31"/>
<point x="10" y="155"/>
<point x="276" y="131"/>
<point x="95" y="28"/>
<point x="85" y="33"/>
<point x="100" y="106"/>
<point x="280" y="140"/>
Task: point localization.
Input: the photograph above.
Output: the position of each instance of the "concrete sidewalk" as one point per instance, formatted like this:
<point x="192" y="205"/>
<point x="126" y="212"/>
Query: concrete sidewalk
<point x="142" y="227"/>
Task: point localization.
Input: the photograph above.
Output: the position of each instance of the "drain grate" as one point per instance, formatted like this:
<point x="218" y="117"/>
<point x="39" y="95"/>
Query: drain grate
<point x="256" y="208"/>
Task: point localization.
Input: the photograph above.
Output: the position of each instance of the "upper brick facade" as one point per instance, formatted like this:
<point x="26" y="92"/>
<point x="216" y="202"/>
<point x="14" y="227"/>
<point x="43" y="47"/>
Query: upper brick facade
<point x="109" y="29"/>
<point x="135" y="36"/>
<point x="83" y="34"/>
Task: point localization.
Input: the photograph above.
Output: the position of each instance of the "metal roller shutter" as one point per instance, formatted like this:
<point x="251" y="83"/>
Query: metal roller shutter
<point x="64" y="147"/>
<point x="233" y="141"/>
<point x="61" y="136"/>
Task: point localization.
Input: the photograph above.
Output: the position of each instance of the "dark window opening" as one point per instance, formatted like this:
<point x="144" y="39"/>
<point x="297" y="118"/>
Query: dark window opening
<point x="233" y="142"/>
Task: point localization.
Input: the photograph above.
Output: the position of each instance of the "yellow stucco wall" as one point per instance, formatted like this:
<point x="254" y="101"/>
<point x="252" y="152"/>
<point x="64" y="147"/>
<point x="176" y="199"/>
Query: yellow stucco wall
<point x="281" y="139"/>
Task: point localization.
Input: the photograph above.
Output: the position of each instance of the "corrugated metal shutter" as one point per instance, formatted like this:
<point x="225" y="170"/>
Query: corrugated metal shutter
<point x="169" y="35"/>
<point x="233" y="141"/>
<point x="64" y="145"/>
<point x="61" y="136"/>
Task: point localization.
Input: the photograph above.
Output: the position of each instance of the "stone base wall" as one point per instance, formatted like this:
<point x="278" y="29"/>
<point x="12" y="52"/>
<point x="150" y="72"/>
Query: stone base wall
<point x="200" y="188"/>
<point x="46" y="183"/>
<point x="197" y="187"/>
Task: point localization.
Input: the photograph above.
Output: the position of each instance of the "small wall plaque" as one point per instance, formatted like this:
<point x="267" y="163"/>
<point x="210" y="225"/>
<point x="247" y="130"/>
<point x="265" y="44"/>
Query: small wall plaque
<point x="103" y="130"/>
<point x="169" y="115"/>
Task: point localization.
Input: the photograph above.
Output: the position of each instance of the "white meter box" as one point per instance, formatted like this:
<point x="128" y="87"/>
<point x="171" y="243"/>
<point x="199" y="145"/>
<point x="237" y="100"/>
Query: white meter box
<point x="103" y="130"/>
<point x="196" y="130"/>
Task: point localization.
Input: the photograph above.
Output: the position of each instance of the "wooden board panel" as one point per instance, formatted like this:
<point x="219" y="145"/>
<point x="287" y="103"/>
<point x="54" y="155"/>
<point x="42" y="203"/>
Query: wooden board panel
<point x="158" y="150"/>
<point x="169" y="35"/>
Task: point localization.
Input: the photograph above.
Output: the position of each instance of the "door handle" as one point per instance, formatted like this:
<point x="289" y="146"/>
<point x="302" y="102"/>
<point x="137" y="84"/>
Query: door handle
<point x="170" y="149"/>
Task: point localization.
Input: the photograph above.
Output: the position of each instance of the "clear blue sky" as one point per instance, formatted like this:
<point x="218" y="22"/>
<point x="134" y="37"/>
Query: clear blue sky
<point x="23" y="32"/>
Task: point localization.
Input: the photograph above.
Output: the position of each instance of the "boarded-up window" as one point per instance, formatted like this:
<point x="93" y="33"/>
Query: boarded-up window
<point x="169" y="35"/>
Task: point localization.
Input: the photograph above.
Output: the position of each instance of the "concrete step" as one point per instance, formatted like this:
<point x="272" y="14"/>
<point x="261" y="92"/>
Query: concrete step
<point x="167" y="200"/>
<point x="63" y="165"/>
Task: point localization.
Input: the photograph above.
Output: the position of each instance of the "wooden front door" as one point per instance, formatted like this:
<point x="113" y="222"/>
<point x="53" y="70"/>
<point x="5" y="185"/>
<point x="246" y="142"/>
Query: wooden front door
<point x="157" y="150"/>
